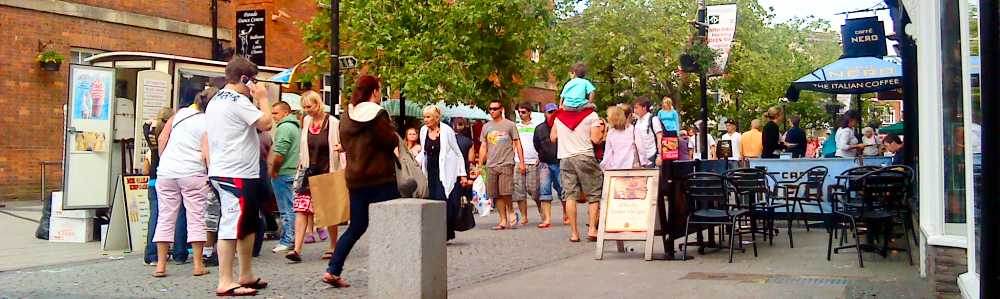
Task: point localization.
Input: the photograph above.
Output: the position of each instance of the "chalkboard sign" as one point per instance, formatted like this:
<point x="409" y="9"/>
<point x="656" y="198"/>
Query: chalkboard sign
<point x="250" y="35"/>
<point x="627" y="208"/>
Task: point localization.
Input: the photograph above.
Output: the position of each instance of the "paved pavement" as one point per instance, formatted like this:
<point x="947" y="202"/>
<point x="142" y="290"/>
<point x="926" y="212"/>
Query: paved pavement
<point x="522" y="263"/>
<point x="20" y="249"/>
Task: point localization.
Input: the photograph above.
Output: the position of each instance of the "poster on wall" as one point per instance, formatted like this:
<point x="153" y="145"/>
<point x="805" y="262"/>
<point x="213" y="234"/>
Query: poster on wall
<point x="627" y="208"/>
<point x="153" y="96"/>
<point x="89" y="142"/>
<point x="91" y="92"/>
<point x="250" y="35"/>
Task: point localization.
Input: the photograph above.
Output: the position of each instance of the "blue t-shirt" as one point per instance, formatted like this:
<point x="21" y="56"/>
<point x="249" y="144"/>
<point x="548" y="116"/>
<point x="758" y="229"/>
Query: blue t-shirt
<point x="671" y="120"/>
<point x="575" y="93"/>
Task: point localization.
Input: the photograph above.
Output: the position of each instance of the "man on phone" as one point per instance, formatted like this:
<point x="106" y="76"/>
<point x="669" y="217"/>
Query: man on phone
<point x="234" y="171"/>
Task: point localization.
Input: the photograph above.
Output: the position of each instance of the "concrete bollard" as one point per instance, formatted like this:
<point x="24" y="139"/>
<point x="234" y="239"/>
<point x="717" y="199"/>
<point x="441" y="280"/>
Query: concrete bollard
<point x="407" y="257"/>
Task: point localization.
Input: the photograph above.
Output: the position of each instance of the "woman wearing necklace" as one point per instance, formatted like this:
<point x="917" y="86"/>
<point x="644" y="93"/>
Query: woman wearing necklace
<point x="443" y="163"/>
<point x="318" y="148"/>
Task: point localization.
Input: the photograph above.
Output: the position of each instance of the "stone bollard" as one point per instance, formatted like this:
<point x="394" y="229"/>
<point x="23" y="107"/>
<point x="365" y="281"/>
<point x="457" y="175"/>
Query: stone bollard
<point x="407" y="257"/>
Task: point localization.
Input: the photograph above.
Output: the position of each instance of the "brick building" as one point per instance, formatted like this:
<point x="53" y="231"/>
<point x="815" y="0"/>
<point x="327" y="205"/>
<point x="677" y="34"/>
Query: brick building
<point x="32" y="123"/>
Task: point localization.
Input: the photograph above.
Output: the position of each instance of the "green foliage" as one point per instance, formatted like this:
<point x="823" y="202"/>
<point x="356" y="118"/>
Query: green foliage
<point x="702" y="57"/>
<point x="456" y="51"/>
<point x="631" y="47"/>
<point x="49" y="57"/>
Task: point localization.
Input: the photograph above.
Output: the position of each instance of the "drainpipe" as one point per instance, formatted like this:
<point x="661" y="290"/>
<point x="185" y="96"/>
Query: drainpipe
<point x="216" y="51"/>
<point x="990" y="83"/>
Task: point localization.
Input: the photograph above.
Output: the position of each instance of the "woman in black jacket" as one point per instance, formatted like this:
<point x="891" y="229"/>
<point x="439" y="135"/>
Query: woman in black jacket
<point x="770" y="136"/>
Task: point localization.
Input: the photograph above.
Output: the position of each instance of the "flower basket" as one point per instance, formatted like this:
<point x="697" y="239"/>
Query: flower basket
<point x="50" y="66"/>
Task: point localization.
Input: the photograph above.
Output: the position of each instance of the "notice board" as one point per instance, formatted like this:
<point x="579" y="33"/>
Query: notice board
<point x="628" y="205"/>
<point x="250" y="35"/>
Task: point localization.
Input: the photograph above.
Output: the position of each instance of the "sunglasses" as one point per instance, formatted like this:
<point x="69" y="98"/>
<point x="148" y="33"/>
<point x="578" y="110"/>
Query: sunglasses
<point x="523" y="112"/>
<point x="495" y="108"/>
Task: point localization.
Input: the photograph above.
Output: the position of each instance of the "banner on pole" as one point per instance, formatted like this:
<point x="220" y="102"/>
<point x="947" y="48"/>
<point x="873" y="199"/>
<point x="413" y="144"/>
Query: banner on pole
<point x="721" y="21"/>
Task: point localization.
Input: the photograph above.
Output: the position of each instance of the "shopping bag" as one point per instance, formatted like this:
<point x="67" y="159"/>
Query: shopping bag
<point x="409" y="169"/>
<point x="465" y="219"/>
<point x="331" y="202"/>
<point x="669" y="150"/>
<point x="482" y="202"/>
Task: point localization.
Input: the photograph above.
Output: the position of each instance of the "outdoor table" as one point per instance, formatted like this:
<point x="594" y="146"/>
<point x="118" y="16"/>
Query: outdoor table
<point x="672" y="208"/>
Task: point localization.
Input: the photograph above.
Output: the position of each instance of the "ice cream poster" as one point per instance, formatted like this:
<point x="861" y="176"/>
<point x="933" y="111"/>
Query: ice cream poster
<point x="91" y="93"/>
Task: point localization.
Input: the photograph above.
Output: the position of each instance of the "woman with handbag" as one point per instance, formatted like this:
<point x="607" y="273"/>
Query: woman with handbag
<point x="319" y="148"/>
<point x="369" y="139"/>
<point x="443" y="163"/>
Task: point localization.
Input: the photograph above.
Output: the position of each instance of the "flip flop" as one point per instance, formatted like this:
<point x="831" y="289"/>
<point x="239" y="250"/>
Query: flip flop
<point x="232" y="292"/>
<point x="293" y="256"/>
<point x="499" y="227"/>
<point x="336" y="282"/>
<point x="202" y="273"/>
<point x="159" y="274"/>
<point x="257" y="285"/>
<point x="327" y="255"/>
<point x="574" y="240"/>
<point x="592" y="238"/>
<point x="544" y="225"/>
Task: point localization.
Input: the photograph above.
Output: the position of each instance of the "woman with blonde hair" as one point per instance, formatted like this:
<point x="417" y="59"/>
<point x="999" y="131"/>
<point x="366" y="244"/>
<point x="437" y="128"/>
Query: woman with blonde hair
<point x="443" y="163"/>
<point x="619" y="146"/>
<point x="319" y="153"/>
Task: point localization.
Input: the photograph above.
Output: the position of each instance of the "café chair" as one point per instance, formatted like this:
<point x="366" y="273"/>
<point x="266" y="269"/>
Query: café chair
<point x="882" y="194"/>
<point x="806" y="190"/>
<point x="752" y="190"/>
<point x="707" y="197"/>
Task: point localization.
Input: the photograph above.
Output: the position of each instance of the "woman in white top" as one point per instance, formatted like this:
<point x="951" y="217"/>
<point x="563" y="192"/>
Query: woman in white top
<point x="443" y="163"/>
<point x="182" y="177"/>
<point x="848" y="145"/>
<point x="873" y="146"/>
<point x="619" y="145"/>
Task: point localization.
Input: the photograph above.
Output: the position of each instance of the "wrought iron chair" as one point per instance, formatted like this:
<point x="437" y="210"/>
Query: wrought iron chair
<point x="752" y="191"/>
<point x="708" y="204"/>
<point x="882" y="194"/>
<point x="806" y="190"/>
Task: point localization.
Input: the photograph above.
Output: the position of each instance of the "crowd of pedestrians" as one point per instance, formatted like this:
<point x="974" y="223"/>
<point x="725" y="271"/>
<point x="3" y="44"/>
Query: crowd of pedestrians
<point x="216" y="166"/>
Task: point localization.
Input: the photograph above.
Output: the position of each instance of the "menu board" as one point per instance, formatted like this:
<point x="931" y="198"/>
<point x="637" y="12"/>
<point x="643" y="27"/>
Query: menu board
<point x="130" y="215"/>
<point x="627" y="208"/>
<point x="153" y="96"/>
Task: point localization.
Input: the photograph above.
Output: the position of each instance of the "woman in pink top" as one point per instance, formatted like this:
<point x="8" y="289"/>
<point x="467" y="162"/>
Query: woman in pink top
<point x="619" y="147"/>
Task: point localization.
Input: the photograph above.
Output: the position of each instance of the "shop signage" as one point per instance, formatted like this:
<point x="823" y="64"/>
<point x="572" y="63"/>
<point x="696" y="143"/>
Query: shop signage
<point x="250" y="35"/>
<point x="628" y="208"/>
<point x="863" y="37"/>
<point x="130" y="215"/>
<point x="721" y="30"/>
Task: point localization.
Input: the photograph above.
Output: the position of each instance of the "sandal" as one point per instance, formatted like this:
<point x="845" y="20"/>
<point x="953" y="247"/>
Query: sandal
<point x="327" y="255"/>
<point x="202" y="273"/>
<point x="544" y="225"/>
<point x="160" y="274"/>
<point x="334" y="281"/>
<point x="577" y="240"/>
<point x="592" y="238"/>
<point x="499" y="227"/>
<point x="293" y="256"/>
<point x="257" y="285"/>
<point x="232" y="292"/>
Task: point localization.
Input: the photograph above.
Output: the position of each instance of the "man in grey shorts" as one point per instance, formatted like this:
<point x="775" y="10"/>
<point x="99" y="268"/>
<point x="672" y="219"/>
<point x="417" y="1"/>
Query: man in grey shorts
<point x="213" y="211"/>
<point x="500" y="140"/>
<point x="577" y="132"/>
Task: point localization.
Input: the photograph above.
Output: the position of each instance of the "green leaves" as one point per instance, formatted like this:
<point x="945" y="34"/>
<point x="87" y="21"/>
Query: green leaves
<point x="456" y="51"/>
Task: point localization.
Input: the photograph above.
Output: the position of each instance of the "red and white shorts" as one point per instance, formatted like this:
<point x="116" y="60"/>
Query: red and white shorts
<point x="240" y="200"/>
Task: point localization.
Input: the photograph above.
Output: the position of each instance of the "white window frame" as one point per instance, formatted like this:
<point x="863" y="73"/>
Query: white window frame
<point x="81" y="59"/>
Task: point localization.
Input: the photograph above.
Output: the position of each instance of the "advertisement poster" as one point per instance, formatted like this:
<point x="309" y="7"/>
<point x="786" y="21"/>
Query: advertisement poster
<point x="89" y="142"/>
<point x="250" y="35"/>
<point x="91" y="92"/>
<point x="137" y="209"/>
<point x="153" y="96"/>
<point x="721" y="30"/>
<point x="629" y="203"/>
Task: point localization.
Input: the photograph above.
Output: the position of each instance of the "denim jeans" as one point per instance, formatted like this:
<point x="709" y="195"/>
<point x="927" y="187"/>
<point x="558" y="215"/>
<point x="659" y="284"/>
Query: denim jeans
<point x="548" y="177"/>
<point x="283" y="194"/>
<point x="361" y="199"/>
<point x="180" y="252"/>
<point x="265" y="184"/>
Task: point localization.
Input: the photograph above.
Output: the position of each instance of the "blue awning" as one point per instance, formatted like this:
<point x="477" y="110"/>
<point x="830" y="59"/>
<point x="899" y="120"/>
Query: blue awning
<point x="853" y="76"/>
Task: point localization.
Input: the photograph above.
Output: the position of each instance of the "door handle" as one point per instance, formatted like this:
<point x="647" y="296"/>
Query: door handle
<point x="72" y="130"/>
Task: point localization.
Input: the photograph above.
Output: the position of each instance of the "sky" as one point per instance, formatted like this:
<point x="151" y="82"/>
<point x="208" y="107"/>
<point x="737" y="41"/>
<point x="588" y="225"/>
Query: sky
<point x="824" y="9"/>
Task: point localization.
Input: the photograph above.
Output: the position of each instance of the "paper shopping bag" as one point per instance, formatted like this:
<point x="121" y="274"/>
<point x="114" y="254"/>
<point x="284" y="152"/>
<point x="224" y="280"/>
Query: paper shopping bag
<point x="331" y="203"/>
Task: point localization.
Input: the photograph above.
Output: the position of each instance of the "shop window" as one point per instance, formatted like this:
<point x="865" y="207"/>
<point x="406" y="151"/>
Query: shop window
<point x="953" y="116"/>
<point x="192" y="83"/>
<point x="79" y="55"/>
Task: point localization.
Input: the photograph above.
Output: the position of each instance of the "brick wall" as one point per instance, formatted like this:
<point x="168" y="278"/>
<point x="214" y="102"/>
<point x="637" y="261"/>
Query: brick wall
<point x="944" y="264"/>
<point x="284" y="46"/>
<point x="190" y="11"/>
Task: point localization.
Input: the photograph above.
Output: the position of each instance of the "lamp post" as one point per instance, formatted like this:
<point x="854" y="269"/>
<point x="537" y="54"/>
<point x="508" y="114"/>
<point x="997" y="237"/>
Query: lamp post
<point x="334" y="53"/>
<point x="703" y="78"/>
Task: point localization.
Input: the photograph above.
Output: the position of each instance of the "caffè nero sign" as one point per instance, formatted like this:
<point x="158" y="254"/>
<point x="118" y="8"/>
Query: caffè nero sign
<point x="250" y="35"/>
<point x="863" y="37"/>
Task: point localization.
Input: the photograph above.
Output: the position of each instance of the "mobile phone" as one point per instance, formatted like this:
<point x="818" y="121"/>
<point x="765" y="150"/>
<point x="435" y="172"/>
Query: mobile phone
<point x="248" y="82"/>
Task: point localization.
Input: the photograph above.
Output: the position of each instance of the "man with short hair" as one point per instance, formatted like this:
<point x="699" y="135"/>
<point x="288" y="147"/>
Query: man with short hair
<point x="500" y="141"/>
<point x="894" y="144"/>
<point x="526" y="184"/>
<point x="576" y="134"/>
<point x="733" y="137"/>
<point x="549" y="172"/>
<point x="234" y="171"/>
<point x="795" y="139"/>
<point x="284" y="161"/>
<point x="751" y="144"/>
<point x="648" y="132"/>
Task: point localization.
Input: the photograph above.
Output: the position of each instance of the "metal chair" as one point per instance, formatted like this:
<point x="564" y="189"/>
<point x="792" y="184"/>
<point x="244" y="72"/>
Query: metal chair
<point x="805" y="190"/>
<point x="752" y="191"/>
<point x="707" y="196"/>
<point x="882" y="194"/>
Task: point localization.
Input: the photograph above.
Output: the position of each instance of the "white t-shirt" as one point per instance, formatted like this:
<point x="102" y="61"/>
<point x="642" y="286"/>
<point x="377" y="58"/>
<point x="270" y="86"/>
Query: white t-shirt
<point x="734" y="141"/>
<point x="182" y="156"/>
<point x="576" y="142"/>
<point x="645" y="138"/>
<point x="233" y="145"/>
<point x="527" y="134"/>
<point x="845" y="138"/>
<point x="695" y="149"/>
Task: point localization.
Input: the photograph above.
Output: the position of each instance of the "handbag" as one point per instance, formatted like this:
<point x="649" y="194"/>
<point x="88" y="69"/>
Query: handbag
<point x="407" y="169"/>
<point x="669" y="148"/>
<point x="465" y="218"/>
<point x="330" y="198"/>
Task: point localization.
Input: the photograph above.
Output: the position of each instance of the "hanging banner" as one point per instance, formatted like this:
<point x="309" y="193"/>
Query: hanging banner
<point x="250" y="35"/>
<point x="863" y="37"/>
<point x="721" y="30"/>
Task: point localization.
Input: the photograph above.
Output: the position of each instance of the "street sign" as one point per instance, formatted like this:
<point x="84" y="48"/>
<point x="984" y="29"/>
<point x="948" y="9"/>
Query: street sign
<point x="348" y="62"/>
